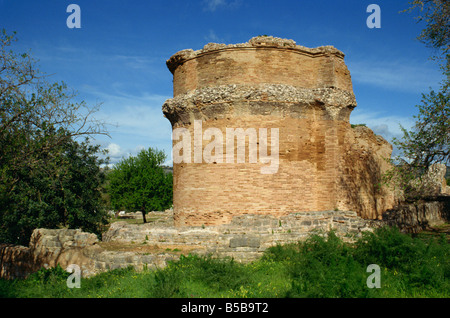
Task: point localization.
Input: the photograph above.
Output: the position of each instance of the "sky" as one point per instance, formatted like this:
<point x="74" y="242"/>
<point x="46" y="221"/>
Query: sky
<point x="117" y="58"/>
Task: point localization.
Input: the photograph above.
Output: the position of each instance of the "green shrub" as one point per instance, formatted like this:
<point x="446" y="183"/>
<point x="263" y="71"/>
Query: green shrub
<point x="49" y="282"/>
<point x="322" y="267"/>
<point x="49" y="276"/>
<point x="166" y="284"/>
<point x="325" y="266"/>
<point x="200" y="274"/>
<point x="357" y="125"/>
<point x="221" y="274"/>
<point x="388" y="247"/>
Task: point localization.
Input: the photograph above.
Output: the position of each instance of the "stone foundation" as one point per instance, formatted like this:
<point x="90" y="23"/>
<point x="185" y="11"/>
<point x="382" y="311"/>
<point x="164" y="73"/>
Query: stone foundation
<point x="154" y="244"/>
<point x="245" y="238"/>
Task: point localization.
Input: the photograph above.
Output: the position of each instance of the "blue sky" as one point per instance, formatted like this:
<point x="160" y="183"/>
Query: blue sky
<point x="118" y="55"/>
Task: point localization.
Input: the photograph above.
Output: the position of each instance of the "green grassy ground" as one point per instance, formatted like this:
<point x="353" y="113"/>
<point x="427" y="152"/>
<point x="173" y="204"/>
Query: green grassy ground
<point x="319" y="267"/>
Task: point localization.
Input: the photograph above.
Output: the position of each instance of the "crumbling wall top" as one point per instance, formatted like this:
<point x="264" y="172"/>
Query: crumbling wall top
<point x="256" y="42"/>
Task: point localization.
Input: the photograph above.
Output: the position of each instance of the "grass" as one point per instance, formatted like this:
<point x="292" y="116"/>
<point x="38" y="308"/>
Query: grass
<point x="323" y="267"/>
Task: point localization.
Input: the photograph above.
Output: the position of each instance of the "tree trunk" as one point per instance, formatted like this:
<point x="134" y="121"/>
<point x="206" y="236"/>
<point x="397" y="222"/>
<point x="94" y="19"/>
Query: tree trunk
<point x="143" y="216"/>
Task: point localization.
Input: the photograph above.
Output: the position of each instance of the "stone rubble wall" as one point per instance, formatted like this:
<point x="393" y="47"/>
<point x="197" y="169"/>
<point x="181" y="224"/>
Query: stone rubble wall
<point x="414" y="217"/>
<point x="50" y="247"/>
<point x="244" y="239"/>
<point x="154" y="244"/>
<point x="432" y="183"/>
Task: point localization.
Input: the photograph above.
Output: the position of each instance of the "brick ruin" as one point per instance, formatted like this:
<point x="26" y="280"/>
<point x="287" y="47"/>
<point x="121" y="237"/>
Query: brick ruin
<point x="306" y="94"/>
<point x="326" y="179"/>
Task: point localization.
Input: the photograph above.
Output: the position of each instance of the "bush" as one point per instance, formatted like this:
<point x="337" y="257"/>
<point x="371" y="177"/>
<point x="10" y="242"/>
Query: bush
<point x="49" y="275"/>
<point x="166" y="284"/>
<point x="218" y="274"/>
<point x="325" y="266"/>
<point x="322" y="267"/>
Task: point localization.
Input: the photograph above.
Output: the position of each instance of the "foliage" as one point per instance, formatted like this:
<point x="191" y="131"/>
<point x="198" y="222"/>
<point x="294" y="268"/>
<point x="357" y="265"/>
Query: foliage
<point x="321" y="266"/>
<point x="436" y="34"/>
<point x="357" y="125"/>
<point x="47" y="178"/>
<point x="62" y="193"/>
<point x="140" y="183"/>
<point x="427" y="143"/>
<point x="421" y="265"/>
<point x="429" y="140"/>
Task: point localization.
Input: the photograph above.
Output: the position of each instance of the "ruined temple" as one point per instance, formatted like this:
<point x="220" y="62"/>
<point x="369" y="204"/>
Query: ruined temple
<point x="263" y="128"/>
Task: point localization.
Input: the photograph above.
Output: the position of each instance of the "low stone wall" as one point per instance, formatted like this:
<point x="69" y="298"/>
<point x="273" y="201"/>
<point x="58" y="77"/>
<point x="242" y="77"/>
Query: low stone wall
<point x="154" y="244"/>
<point x="50" y="247"/>
<point x="415" y="217"/>
<point x="245" y="238"/>
<point x="16" y="261"/>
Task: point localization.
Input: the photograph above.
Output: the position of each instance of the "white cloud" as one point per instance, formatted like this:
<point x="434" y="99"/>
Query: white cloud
<point x="139" y="120"/>
<point x="139" y="123"/>
<point x="384" y="125"/>
<point x="114" y="150"/>
<point x="212" y="37"/>
<point x="115" y="153"/>
<point x="404" y="75"/>
<point x="213" y="5"/>
<point x="133" y="61"/>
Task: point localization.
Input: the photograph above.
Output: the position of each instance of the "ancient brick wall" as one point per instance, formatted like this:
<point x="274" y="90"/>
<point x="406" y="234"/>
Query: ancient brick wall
<point x="270" y="83"/>
<point x="271" y="63"/>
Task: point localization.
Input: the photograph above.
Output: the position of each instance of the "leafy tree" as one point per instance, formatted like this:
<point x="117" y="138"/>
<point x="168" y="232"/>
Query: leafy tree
<point x="436" y="34"/>
<point x="47" y="178"/>
<point x="140" y="183"/>
<point x="429" y="140"/>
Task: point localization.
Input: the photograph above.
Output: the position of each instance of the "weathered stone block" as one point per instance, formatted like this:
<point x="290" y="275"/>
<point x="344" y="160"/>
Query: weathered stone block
<point x="244" y="241"/>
